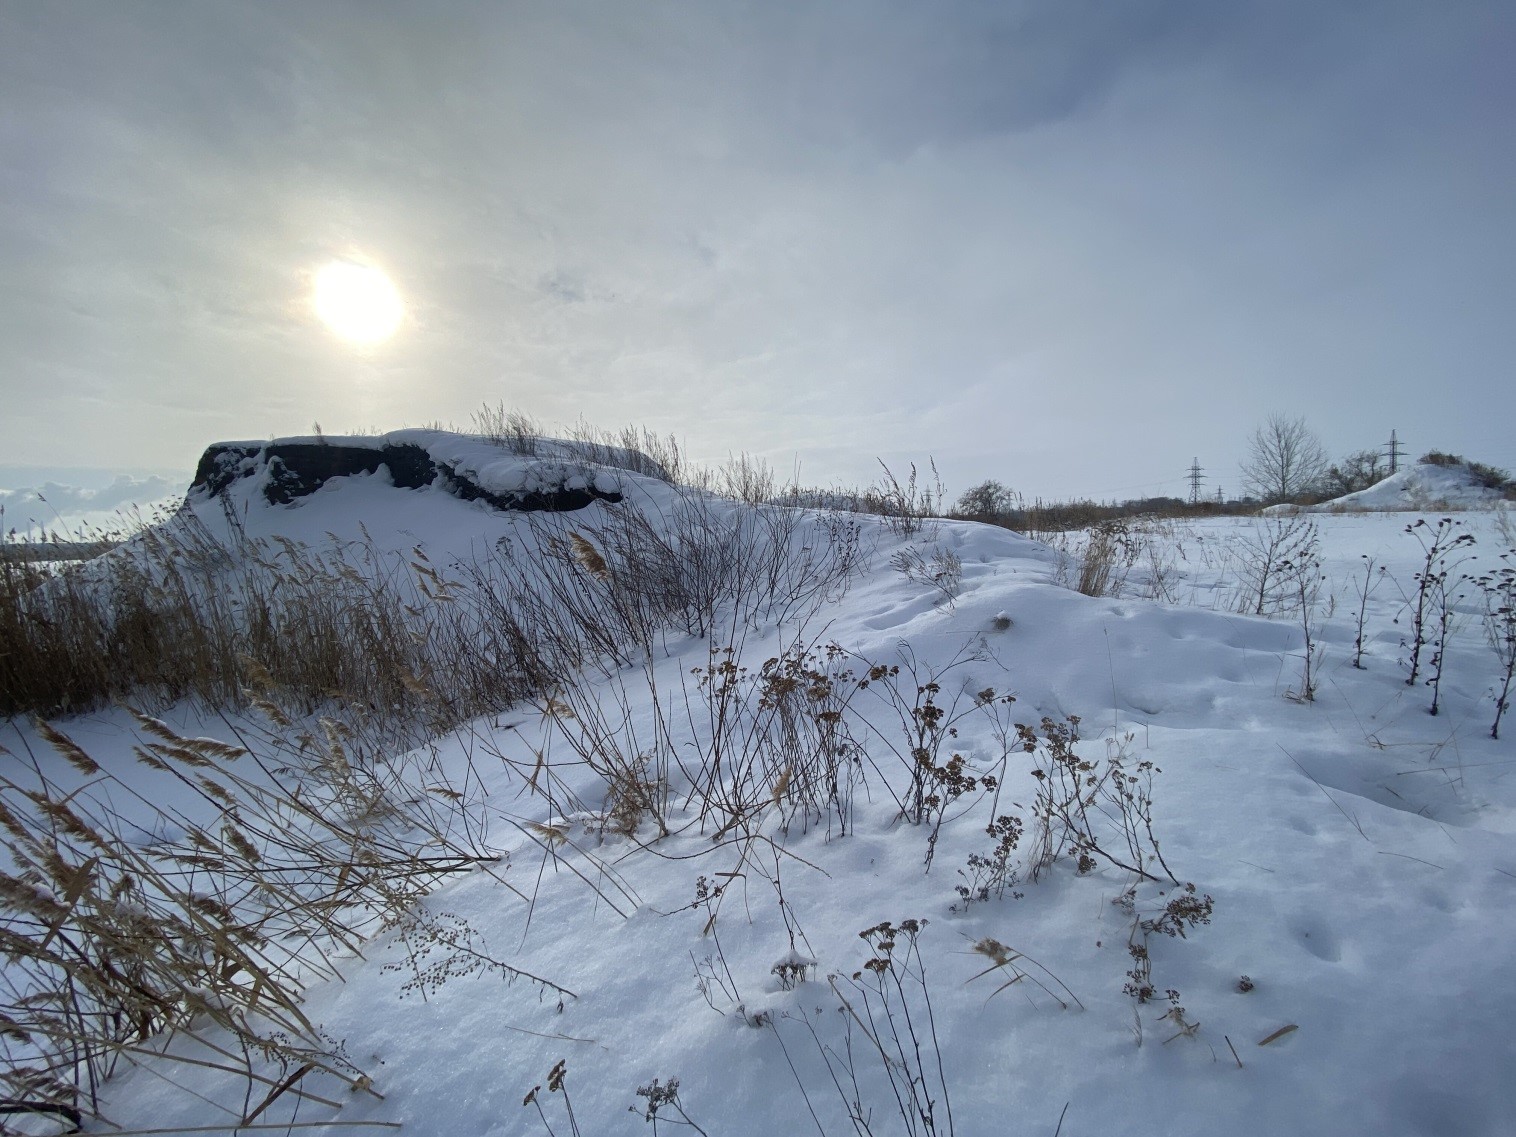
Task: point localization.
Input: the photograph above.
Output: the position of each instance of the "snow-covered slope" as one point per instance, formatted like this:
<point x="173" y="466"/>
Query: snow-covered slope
<point x="1422" y="486"/>
<point x="1359" y="854"/>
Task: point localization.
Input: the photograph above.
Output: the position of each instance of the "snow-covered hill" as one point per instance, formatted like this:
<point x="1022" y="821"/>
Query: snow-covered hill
<point x="1256" y="914"/>
<point x="1423" y="486"/>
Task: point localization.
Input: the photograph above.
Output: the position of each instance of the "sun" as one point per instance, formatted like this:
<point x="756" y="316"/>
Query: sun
<point x="358" y="302"/>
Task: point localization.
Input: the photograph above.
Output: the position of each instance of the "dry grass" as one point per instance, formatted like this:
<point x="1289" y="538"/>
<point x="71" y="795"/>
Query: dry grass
<point x="181" y="613"/>
<point x="164" y="939"/>
<point x="507" y="427"/>
<point x="1108" y="556"/>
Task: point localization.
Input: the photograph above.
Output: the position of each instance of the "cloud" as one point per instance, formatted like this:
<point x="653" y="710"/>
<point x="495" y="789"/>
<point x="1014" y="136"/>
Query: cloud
<point x="1065" y="244"/>
<point x="55" y="507"/>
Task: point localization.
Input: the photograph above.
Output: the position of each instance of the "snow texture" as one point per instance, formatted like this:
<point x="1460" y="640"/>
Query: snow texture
<point x="1360" y="853"/>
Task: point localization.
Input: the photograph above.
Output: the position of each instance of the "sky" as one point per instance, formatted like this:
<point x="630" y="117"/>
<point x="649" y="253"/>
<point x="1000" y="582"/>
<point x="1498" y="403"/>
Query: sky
<point x="1069" y="245"/>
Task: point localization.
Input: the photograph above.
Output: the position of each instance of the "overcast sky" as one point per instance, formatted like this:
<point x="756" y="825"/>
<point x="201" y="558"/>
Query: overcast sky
<point x="1070" y="245"/>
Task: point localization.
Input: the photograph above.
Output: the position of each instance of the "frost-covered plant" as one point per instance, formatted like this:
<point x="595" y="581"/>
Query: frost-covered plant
<point x="792" y="969"/>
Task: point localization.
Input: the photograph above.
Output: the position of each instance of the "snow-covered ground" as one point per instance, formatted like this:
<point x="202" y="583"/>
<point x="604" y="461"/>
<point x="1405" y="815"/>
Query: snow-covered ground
<point x="1358" y="856"/>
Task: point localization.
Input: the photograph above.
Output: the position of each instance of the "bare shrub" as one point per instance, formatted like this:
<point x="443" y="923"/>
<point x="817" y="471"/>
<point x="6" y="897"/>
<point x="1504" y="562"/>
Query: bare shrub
<point x="1358" y="471"/>
<point x="1265" y="587"/>
<point x="700" y="565"/>
<point x="1483" y="474"/>
<point x="779" y="738"/>
<point x="747" y="479"/>
<point x="989" y="501"/>
<point x="603" y="590"/>
<point x="1505" y="525"/>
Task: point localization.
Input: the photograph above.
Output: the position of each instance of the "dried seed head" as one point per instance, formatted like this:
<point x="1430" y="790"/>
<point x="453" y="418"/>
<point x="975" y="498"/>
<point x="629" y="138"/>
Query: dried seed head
<point x="589" y="557"/>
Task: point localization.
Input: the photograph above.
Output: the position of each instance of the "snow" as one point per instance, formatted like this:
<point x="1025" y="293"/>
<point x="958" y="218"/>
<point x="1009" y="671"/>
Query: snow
<point x="1360" y="853"/>
<point x="1420" y="487"/>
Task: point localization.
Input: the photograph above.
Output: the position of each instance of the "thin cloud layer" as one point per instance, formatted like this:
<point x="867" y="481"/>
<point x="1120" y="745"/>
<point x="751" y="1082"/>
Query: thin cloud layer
<point x="1066" y="245"/>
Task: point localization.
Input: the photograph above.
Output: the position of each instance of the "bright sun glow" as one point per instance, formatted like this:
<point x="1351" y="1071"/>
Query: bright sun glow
<point x="357" y="302"/>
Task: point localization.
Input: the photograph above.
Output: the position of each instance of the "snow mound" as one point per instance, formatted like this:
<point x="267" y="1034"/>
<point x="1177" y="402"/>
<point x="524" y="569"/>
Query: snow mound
<point x="1423" y="486"/>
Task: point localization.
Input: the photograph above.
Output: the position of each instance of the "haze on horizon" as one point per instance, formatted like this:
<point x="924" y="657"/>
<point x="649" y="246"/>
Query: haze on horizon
<point x="1066" y="245"/>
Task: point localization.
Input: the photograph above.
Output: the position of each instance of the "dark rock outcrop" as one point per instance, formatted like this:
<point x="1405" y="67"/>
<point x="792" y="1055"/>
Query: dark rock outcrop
<point x="296" y="469"/>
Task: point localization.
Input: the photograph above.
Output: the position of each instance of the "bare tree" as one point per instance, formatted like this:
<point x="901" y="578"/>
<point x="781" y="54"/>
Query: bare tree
<point x="986" y="500"/>
<point x="1358" y="471"/>
<point x="1285" y="459"/>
